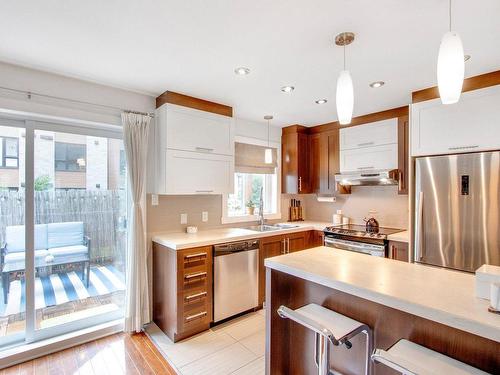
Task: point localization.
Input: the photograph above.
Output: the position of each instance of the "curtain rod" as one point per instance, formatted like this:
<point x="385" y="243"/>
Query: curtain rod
<point x="29" y="95"/>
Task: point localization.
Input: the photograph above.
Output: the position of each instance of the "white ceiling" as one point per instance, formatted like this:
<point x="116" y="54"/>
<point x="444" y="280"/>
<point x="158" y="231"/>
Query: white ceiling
<point x="193" y="46"/>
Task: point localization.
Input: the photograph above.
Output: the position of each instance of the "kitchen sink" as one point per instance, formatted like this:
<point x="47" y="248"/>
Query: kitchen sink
<point x="268" y="228"/>
<point x="263" y="228"/>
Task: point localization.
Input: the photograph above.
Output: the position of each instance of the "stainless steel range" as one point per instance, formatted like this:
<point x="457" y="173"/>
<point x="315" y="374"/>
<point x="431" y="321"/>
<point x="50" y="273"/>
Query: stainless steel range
<point x="357" y="238"/>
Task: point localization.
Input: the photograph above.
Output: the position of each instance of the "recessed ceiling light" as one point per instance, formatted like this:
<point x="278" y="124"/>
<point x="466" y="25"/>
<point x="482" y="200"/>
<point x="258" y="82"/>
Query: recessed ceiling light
<point x="287" y="88"/>
<point x="377" y="84"/>
<point x="321" y="101"/>
<point x="242" y="71"/>
<point x="466" y="57"/>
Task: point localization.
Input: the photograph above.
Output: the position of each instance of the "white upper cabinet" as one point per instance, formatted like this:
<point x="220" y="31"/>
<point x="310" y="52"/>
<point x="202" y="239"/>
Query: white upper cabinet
<point x="194" y="130"/>
<point x="192" y="152"/>
<point x="369" y="158"/>
<point x="367" y="135"/>
<point x="368" y="147"/>
<point x="198" y="173"/>
<point x="472" y="124"/>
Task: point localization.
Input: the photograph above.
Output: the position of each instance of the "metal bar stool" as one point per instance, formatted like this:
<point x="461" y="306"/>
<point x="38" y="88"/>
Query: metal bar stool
<point x="330" y="328"/>
<point x="409" y="358"/>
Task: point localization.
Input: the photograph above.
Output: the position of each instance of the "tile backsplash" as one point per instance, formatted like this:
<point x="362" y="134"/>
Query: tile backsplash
<point x="392" y="209"/>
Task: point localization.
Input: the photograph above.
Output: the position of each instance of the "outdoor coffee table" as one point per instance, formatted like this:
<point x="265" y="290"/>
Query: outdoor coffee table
<point x="8" y="269"/>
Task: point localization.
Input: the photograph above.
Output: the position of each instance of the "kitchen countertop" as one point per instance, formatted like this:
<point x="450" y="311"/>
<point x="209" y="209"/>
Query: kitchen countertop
<point x="403" y="236"/>
<point x="444" y="296"/>
<point x="182" y="240"/>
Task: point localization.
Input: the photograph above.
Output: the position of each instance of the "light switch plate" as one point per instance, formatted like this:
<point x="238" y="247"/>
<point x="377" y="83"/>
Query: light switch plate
<point x="154" y="199"/>
<point x="184" y="218"/>
<point x="204" y="216"/>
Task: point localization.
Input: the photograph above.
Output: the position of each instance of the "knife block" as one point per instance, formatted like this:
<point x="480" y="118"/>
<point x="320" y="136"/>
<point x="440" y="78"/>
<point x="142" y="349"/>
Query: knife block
<point x="295" y="213"/>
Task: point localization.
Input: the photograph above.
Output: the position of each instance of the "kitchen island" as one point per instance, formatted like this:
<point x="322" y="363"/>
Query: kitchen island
<point x="432" y="307"/>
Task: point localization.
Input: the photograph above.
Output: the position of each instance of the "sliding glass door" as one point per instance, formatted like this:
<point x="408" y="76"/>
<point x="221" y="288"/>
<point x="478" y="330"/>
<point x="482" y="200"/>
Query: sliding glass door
<point x="12" y="232"/>
<point x="70" y="220"/>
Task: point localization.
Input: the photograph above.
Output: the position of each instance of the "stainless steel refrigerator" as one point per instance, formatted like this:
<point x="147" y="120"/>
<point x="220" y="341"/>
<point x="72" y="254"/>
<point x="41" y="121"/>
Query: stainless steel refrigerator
<point x="457" y="205"/>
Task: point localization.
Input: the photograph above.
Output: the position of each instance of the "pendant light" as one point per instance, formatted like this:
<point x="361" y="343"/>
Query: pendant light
<point x="268" y="153"/>
<point x="345" y="90"/>
<point x="450" y="66"/>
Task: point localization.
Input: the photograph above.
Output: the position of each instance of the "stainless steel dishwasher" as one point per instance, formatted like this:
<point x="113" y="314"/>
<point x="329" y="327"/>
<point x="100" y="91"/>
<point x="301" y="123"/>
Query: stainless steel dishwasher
<point x="236" y="278"/>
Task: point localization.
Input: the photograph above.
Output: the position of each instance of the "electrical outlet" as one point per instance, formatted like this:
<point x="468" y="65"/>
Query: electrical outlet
<point x="204" y="216"/>
<point x="184" y="218"/>
<point x="154" y="200"/>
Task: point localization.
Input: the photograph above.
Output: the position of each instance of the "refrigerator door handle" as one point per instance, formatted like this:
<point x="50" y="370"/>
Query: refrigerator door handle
<point x="420" y="230"/>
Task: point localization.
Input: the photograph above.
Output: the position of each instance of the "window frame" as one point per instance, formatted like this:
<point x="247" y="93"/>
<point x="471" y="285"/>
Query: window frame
<point x="4" y="155"/>
<point x="226" y="219"/>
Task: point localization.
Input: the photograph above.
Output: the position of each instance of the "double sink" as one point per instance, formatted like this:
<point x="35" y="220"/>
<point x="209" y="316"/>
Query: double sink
<point x="270" y="228"/>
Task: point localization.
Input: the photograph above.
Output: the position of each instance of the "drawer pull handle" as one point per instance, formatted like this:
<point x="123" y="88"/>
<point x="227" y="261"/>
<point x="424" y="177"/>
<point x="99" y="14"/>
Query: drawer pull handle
<point x="365" y="167"/>
<point x="463" y="147"/>
<point x="194" y="275"/>
<point x="195" y="316"/>
<point x="197" y="255"/>
<point x="204" y="191"/>
<point x="366" y="144"/>
<point x="204" y="149"/>
<point x="196" y="296"/>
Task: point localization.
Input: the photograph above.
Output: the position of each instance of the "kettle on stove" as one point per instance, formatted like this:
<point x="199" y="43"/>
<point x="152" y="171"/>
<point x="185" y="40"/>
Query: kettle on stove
<point x="371" y="223"/>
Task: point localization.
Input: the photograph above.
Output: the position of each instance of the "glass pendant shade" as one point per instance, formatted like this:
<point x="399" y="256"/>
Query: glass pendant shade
<point x="450" y="68"/>
<point x="344" y="97"/>
<point x="268" y="156"/>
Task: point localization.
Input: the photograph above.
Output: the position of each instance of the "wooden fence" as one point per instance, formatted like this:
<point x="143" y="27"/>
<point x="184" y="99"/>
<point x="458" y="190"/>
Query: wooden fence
<point x="102" y="212"/>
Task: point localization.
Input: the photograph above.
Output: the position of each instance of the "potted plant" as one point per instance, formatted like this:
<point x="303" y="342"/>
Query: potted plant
<point x="250" y="207"/>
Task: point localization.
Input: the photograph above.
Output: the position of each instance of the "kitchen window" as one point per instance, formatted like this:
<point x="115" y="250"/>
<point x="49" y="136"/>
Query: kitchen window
<point x="251" y="174"/>
<point x="70" y="157"/>
<point x="9" y="152"/>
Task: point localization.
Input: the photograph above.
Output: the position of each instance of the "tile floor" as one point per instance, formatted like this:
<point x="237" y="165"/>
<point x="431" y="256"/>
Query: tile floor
<point x="235" y="347"/>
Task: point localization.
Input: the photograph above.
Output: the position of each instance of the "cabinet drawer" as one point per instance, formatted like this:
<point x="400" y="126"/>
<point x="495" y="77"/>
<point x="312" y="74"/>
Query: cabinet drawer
<point x="194" y="297"/>
<point x="369" y="135"/>
<point x="193" y="130"/>
<point x="192" y="318"/>
<point x="198" y="173"/>
<point x="369" y="158"/>
<point x="197" y="258"/>
<point x="194" y="279"/>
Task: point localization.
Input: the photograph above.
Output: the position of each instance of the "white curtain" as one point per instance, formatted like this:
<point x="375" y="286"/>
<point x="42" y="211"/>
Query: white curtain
<point x="136" y="130"/>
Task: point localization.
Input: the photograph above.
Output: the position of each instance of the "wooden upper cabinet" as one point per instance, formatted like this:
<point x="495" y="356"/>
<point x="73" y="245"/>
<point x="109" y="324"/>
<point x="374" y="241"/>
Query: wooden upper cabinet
<point x="324" y="161"/>
<point x="403" y="154"/>
<point x="295" y="160"/>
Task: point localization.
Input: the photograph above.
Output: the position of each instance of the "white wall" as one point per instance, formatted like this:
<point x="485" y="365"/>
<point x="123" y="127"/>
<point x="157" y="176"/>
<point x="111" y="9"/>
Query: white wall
<point x="25" y="79"/>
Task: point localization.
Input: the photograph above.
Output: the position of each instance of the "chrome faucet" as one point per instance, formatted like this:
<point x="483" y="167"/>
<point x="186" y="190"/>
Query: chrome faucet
<point x="261" y="207"/>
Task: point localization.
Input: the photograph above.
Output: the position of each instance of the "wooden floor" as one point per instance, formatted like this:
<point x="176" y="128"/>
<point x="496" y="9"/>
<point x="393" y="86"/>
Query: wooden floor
<point x="117" y="354"/>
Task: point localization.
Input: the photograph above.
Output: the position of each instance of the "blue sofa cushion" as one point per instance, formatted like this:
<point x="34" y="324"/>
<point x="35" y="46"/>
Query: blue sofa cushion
<point x="14" y="237"/>
<point x="64" y="251"/>
<point x="65" y="234"/>
<point x="19" y="256"/>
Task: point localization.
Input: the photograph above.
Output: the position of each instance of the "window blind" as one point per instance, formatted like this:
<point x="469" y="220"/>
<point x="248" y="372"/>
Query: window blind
<point x="251" y="159"/>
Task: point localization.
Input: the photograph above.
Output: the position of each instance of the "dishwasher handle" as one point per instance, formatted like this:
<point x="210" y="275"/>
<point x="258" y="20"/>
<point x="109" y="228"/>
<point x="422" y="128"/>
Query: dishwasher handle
<point x="236" y="247"/>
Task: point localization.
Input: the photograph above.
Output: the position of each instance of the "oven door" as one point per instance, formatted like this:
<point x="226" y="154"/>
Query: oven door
<point x="359" y="247"/>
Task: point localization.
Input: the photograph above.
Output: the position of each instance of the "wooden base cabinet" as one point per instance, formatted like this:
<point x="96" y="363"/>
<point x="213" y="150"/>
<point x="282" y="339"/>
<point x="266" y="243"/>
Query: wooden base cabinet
<point x="399" y="250"/>
<point x="182" y="290"/>
<point x="279" y="245"/>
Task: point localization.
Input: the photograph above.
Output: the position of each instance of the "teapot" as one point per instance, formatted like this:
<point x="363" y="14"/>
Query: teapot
<point x="371" y="224"/>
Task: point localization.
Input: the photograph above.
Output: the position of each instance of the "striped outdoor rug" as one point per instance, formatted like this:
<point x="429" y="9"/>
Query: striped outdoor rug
<point x="59" y="288"/>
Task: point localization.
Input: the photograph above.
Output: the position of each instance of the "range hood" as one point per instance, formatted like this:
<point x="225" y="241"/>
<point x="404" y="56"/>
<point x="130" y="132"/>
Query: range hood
<point x="368" y="178"/>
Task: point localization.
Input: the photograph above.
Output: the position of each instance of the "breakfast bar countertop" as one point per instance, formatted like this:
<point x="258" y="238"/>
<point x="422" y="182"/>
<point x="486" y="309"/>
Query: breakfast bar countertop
<point x="444" y="296"/>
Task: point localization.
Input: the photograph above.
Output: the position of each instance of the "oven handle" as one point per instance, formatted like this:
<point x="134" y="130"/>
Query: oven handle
<point x="354" y="246"/>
